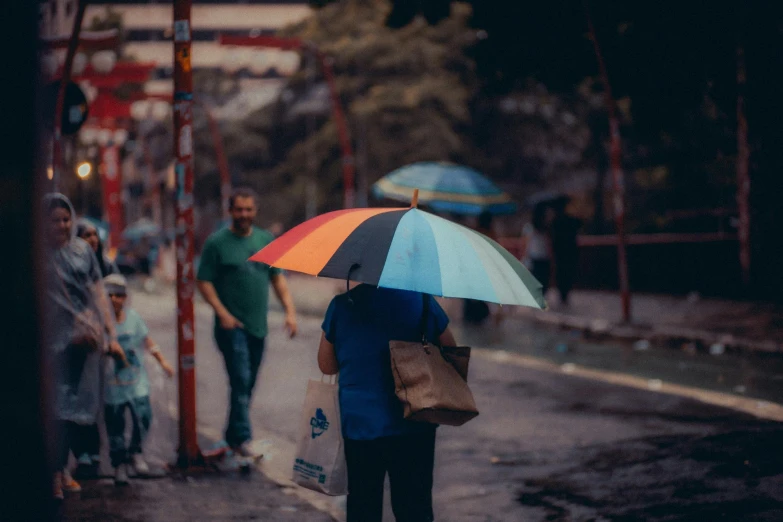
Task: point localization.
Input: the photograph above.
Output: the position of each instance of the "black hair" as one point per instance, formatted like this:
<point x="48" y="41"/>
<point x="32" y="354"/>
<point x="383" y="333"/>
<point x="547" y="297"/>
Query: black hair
<point x="241" y="192"/>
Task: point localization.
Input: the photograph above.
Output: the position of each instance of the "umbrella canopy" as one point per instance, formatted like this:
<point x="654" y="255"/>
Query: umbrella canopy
<point x="547" y="197"/>
<point x="445" y="187"/>
<point x="407" y="249"/>
<point x="140" y="229"/>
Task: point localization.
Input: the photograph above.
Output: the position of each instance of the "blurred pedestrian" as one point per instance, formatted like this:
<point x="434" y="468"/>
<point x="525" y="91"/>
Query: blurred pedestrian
<point x="563" y="231"/>
<point x="474" y="311"/>
<point x="357" y="329"/>
<point x="86" y="439"/>
<point x="128" y="386"/>
<point x="89" y="232"/>
<point x="80" y="328"/>
<point x="237" y="290"/>
<point x="538" y="255"/>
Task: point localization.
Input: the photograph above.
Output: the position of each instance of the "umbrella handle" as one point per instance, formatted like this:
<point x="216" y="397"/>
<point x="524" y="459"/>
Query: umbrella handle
<point x="348" y="280"/>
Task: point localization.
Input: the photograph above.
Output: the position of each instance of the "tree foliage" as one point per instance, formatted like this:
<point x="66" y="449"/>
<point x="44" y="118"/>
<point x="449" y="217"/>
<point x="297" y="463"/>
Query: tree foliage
<point x="408" y="92"/>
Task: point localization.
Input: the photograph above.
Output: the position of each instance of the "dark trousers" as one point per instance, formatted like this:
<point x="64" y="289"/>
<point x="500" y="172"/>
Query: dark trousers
<point x="409" y="461"/>
<point x="86" y="441"/>
<point x="66" y="433"/>
<point x="141" y="416"/>
<point x="565" y="275"/>
<point x="242" y="354"/>
<point x="78" y="438"/>
<point x="542" y="270"/>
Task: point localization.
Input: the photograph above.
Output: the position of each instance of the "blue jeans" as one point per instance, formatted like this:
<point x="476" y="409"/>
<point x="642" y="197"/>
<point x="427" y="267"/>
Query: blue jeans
<point x="242" y="353"/>
<point x="141" y="416"/>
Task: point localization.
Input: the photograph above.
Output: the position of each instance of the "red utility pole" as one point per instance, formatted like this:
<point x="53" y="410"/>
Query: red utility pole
<point x="111" y="178"/>
<point x="618" y="181"/>
<point x="188" y="451"/>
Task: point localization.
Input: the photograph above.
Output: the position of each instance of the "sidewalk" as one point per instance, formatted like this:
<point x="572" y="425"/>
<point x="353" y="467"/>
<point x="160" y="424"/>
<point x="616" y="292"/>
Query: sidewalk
<point x="726" y="325"/>
<point x="195" y="497"/>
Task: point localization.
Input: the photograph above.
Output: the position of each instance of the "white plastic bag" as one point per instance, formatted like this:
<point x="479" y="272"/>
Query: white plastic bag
<point x="319" y="463"/>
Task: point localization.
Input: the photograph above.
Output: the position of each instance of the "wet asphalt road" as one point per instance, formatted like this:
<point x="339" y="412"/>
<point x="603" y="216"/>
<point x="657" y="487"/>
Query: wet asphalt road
<point x="546" y="446"/>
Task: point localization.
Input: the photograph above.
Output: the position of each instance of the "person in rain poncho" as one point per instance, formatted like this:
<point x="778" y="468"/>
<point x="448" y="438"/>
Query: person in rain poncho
<point x="89" y="232"/>
<point x="86" y="439"/>
<point x="79" y="329"/>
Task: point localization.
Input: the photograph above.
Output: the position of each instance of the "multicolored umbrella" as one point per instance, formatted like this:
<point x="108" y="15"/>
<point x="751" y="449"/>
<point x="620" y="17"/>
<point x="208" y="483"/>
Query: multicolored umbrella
<point x="445" y="187"/>
<point x="408" y="249"/>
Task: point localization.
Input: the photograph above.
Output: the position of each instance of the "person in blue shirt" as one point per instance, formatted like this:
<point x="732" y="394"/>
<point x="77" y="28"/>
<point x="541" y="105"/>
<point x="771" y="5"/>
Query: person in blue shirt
<point x="127" y="385"/>
<point x="357" y="329"/>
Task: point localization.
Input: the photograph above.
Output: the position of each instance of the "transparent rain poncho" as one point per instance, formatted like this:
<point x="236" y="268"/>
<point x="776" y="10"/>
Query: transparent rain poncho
<point x="74" y="291"/>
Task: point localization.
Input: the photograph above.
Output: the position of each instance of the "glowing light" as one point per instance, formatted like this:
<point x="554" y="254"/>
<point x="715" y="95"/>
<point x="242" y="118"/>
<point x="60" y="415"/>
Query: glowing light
<point x="83" y="170"/>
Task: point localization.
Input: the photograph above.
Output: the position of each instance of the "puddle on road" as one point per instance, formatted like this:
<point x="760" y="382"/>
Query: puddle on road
<point x="748" y="374"/>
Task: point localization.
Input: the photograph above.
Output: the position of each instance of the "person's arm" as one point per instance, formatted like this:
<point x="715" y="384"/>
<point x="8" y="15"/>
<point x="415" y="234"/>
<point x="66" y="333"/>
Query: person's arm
<point x="154" y="350"/>
<point x="280" y="286"/>
<point x="208" y="271"/>
<point x="227" y="321"/>
<point x="447" y="338"/>
<point x="327" y="360"/>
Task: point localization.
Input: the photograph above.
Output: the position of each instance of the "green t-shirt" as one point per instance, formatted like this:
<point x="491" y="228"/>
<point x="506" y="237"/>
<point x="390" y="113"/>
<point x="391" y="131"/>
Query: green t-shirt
<point x="241" y="285"/>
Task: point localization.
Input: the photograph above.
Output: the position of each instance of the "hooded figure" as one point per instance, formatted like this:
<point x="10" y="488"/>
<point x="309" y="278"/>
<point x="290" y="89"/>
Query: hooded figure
<point x="86" y="230"/>
<point x="79" y="325"/>
<point x="73" y="284"/>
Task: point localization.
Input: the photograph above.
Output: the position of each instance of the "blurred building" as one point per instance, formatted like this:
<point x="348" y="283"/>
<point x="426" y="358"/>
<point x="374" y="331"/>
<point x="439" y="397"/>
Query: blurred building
<point x="146" y="36"/>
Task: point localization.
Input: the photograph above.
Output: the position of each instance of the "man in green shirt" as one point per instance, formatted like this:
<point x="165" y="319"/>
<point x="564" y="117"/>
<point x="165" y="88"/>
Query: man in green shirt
<point x="238" y="291"/>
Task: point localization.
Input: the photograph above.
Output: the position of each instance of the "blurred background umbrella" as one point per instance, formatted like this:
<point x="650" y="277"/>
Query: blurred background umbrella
<point x="547" y="197"/>
<point x="445" y="187"/>
<point x="141" y="229"/>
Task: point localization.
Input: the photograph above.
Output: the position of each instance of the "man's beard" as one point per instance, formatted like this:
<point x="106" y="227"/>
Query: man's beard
<point x="242" y="224"/>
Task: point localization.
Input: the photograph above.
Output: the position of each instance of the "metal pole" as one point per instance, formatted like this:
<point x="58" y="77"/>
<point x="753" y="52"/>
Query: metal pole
<point x="111" y="181"/>
<point x="743" y="174"/>
<point x="73" y="43"/>
<point x="188" y="451"/>
<point x="220" y="153"/>
<point x="342" y="133"/>
<point x="311" y="186"/>
<point x="618" y="181"/>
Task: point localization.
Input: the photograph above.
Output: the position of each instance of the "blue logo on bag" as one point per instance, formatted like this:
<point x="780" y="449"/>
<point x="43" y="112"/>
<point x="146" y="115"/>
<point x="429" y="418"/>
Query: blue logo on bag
<point x="319" y="424"/>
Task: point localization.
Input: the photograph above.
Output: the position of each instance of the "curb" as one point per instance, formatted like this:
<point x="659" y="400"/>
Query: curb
<point x="661" y="333"/>
<point x="276" y="467"/>
<point x="594" y="327"/>
<point x="756" y="407"/>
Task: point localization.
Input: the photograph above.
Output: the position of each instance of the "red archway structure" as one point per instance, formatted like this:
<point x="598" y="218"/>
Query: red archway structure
<point x="109" y="112"/>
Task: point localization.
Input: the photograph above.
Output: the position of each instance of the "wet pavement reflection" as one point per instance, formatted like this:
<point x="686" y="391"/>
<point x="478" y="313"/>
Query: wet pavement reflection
<point x="756" y="375"/>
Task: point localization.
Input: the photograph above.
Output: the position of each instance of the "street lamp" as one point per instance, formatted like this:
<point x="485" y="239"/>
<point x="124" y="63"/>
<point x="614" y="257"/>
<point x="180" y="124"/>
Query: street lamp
<point x="83" y="170"/>
<point x="104" y="61"/>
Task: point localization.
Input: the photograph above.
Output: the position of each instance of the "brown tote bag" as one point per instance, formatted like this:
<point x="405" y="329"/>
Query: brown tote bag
<point x="431" y="381"/>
